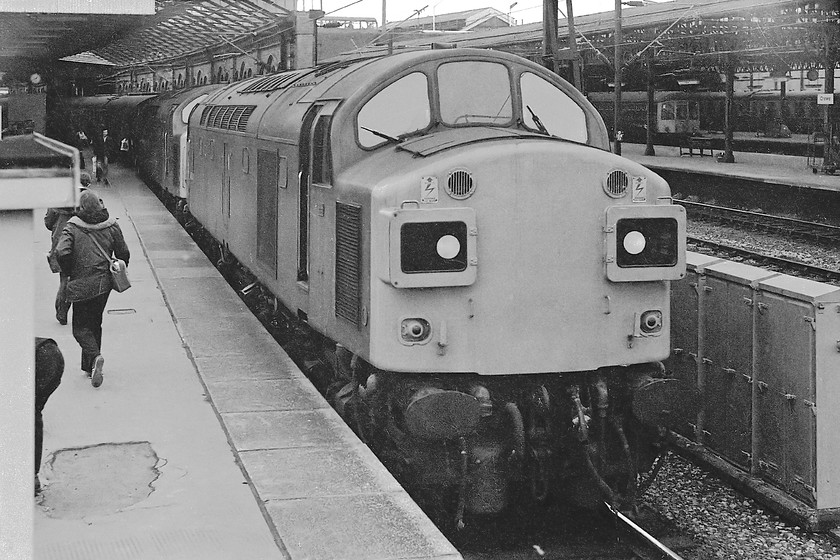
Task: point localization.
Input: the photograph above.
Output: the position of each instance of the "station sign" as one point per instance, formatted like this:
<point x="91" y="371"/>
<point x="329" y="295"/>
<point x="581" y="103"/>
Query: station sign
<point x="825" y="99"/>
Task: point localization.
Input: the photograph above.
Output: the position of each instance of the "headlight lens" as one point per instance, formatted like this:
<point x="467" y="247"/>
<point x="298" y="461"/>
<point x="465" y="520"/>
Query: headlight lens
<point x="448" y="247"/>
<point x="634" y="242"/>
<point x="646" y="242"/>
<point x="433" y="247"/>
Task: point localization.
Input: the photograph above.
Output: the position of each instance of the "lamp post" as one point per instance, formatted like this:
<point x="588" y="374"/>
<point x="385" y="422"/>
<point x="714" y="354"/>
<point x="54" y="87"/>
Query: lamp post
<point x="509" y="9"/>
<point x="617" y="109"/>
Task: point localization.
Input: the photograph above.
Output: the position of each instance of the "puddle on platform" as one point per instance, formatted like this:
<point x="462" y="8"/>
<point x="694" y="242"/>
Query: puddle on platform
<point x="98" y="480"/>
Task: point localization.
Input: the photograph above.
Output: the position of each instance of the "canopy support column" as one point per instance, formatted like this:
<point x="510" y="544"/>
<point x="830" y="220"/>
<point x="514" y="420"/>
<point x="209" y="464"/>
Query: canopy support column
<point x="651" y="104"/>
<point x="728" y="152"/>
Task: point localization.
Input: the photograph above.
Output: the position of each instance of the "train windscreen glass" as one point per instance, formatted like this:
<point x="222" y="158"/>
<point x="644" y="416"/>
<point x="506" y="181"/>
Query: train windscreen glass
<point x="399" y="109"/>
<point x="474" y="93"/>
<point x="558" y="114"/>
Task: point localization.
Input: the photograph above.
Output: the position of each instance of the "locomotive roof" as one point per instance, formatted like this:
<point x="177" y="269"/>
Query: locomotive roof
<point x="273" y="107"/>
<point x="376" y="69"/>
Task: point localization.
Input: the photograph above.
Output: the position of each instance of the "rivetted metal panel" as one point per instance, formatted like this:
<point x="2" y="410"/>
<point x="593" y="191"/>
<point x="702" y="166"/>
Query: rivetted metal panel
<point x="786" y="427"/>
<point x="812" y="384"/>
<point x="727" y="359"/>
<point x="685" y="317"/>
<point x="348" y="261"/>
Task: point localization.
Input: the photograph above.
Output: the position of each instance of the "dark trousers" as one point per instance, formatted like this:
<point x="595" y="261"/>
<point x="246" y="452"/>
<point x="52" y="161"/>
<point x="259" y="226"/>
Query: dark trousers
<point x="87" y="327"/>
<point x="62" y="306"/>
<point x="49" y="366"/>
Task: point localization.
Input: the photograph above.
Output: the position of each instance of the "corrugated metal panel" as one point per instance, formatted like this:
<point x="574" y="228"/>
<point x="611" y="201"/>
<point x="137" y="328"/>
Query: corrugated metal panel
<point x="267" y="210"/>
<point x="176" y="164"/>
<point x="348" y="261"/>
<point x="228" y="117"/>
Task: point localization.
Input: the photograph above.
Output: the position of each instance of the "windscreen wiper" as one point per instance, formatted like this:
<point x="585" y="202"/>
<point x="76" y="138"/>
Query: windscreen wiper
<point x="540" y="126"/>
<point x="381" y="135"/>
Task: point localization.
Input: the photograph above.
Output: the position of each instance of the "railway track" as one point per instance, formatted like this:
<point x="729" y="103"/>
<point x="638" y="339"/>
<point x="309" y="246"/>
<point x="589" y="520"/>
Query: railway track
<point x="561" y="534"/>
<point x="814" y="232"/>
<point x="803" y="229"/>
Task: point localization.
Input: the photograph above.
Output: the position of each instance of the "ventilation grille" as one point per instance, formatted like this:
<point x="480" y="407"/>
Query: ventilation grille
<point x="275" y="81"/>
<point x="176" y="164"/>
<point x="460" y="184"/>
<point x="348" y="261"/>
<point x="616" y="183"/>
<point x="228" y="117"/>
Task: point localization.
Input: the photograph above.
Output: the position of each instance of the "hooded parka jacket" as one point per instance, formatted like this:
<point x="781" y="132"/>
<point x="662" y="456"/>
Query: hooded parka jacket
<point x="79" y="257"/>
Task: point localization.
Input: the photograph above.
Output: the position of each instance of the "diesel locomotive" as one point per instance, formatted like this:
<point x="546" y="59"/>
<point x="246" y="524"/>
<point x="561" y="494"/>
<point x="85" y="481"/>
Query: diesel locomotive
<point x="488" y="281"/>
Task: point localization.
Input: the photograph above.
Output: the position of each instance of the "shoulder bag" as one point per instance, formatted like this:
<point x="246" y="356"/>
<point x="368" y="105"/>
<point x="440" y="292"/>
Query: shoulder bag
<point x="118" y="273"/>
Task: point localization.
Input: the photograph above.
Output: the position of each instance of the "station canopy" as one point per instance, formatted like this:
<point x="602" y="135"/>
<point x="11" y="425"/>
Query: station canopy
<point x="681" y="35"/>
<point x="116" y="35"/>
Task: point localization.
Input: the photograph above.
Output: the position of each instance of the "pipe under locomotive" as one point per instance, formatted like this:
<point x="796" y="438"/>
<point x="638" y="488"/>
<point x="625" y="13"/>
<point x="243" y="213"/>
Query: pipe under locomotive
<point x="490" y="283"/>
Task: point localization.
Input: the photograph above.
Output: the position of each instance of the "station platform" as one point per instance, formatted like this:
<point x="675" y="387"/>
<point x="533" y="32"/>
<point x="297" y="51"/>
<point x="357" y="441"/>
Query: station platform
<point x="204" y="441"/>
<point x="772" y="169"/>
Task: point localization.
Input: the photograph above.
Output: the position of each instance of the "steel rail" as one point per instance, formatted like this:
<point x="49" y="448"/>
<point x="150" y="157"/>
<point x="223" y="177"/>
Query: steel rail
<point x="812" y="230"/>
<point x="650" y="539"/>
<point x="823" y="274"/>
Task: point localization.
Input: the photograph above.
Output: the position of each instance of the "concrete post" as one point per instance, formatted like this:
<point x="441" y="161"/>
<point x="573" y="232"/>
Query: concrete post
<point x="21" y="191"/>
<point x="17" y="383"/>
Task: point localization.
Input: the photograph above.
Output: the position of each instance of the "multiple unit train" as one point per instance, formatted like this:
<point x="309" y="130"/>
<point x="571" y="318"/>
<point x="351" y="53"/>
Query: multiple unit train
<point x="684" y="112"/>
<point x="489" y="281"/>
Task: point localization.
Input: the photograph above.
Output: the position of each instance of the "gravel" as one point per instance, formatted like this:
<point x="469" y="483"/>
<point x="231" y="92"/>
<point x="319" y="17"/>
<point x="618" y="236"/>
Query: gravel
<point x="725" y="524"/>
<point x="771" y="244"/>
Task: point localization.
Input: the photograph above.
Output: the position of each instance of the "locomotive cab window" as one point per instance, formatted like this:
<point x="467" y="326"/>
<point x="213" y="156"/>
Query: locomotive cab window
<point x="556" y="112"/>
<point x="401" y="108"/>
<point x="485" y="101"/>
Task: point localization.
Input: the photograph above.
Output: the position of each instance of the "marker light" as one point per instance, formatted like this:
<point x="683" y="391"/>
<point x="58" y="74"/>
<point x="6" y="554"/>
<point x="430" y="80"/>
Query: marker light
<point x="415" y="330"/>
<point x="634" y="242"/>
<point x="433" y="247"/>
<point x="651" y="322"/>
<point x="448" y="247"/>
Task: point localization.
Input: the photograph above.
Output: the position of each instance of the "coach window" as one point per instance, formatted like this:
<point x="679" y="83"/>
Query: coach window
<point x="486" y="100"/>
<point x="667" y="111"/>
<point x="543" y="103"/>
<point x="399" y="109"/>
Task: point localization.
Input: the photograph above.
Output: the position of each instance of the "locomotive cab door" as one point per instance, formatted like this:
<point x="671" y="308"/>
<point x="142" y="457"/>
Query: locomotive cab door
<point x="316" y="211"/>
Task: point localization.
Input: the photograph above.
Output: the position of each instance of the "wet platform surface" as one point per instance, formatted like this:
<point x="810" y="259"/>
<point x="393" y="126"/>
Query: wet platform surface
<point x="205" y="441"/>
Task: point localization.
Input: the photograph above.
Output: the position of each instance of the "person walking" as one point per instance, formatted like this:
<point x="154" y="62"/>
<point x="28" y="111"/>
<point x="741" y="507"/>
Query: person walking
<point x="49" y="367"/>
<point x="55" y="219"/>
<point x="89" y="278"/>
<point x="102" y="150"/>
